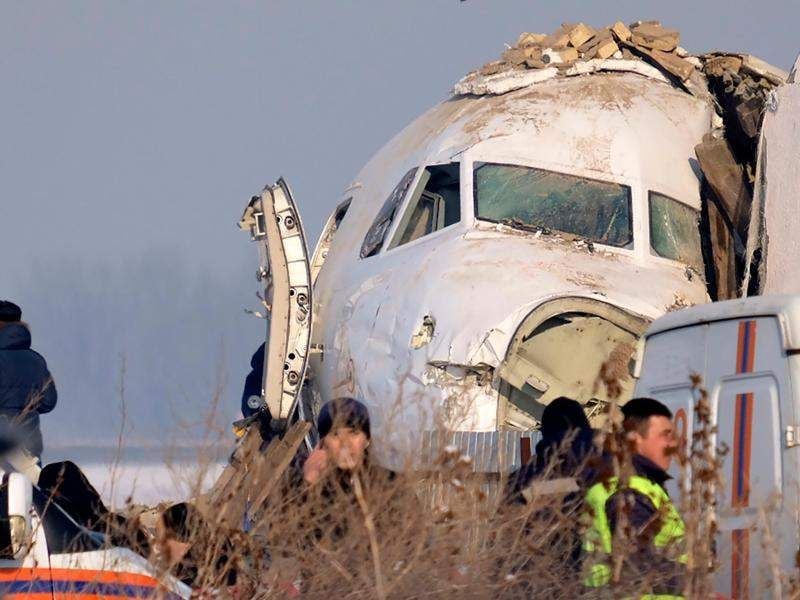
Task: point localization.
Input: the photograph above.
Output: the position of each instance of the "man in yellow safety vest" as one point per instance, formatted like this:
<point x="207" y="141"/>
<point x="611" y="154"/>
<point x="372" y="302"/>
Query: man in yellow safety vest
<point x="653" y="530"/>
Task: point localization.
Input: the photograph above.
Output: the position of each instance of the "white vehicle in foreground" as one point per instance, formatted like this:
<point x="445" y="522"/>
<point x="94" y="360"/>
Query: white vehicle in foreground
<point x="44" y="553"/>
<point x="747" y="352"/>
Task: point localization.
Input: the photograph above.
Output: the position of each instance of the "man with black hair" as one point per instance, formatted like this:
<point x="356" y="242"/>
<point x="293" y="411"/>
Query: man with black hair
<point x="26" y="386"/>
<point x="653" y="528"/>
<point x="197" y="554"/>
<point x="344" y="432"/>
<point x="345" y="498"/>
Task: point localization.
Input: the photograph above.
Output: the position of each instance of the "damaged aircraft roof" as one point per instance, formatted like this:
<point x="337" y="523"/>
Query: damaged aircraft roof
<point x="739" y="86"/>
<point x="511" y="244"/>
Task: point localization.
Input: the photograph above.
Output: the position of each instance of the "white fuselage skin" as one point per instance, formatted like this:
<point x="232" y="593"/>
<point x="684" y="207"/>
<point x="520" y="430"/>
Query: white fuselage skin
<point x="478" y="279"/>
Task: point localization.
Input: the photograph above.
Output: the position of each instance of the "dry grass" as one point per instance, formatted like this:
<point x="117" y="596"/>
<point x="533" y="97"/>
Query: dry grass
<point x="443" y="533"/>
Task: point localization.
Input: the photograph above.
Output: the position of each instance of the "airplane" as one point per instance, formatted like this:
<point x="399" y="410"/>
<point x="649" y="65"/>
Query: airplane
<point x="509" y="246"/>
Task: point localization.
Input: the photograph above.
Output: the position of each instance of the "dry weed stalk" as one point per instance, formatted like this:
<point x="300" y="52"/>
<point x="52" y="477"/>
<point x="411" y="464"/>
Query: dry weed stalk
<point x="700" y="476"/>
<point x="438" y="533"/>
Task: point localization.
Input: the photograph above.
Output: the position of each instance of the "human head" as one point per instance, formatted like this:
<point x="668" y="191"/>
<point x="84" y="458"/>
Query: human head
<point x="344" y="431"/>
<point x="648" y="425"/>
<point x="9" y="312"/>
<point x="180" y="521"/>
<point x="562" y="416"/>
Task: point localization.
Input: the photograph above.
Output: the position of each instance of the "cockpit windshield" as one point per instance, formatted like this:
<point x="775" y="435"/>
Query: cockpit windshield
<point x="674" y="231"/>
<point x="535" y="199"/>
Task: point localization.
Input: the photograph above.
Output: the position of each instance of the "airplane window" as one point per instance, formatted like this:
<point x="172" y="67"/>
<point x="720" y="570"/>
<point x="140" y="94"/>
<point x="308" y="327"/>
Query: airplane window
<point x="373" y="241"/>
<point x="341" y="211"/>
<point x="336" y="220"/>
<point x="535" y="199"/>
<point x="674" y="230"/>
<point x="436" y="204"/>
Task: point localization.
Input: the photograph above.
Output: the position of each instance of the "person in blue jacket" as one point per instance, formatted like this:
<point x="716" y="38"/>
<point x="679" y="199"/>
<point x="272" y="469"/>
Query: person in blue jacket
<point x="26" y="386"/>
<point x="252" y="383"/>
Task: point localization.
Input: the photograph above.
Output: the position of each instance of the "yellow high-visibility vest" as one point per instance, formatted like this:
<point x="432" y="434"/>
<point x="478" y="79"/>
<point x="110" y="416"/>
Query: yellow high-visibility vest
<point x="597" y="540"/>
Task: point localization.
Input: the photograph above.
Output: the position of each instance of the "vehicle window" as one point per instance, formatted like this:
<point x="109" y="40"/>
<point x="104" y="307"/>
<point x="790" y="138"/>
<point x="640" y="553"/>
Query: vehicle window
<point x="376" y="235"/>
<point x="62" y="533"/>
<point x="535" y="199"/>
<point x="674" y="230"/>
<point x="436" y="203"/>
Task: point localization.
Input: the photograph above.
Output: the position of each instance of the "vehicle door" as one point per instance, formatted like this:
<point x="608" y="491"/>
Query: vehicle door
<point x="24" y="560"/>
<point x="83" y="565"/>
<point x="274" y="225"/>
<point x="671" y="358"/>
<point x="747" y="363"/>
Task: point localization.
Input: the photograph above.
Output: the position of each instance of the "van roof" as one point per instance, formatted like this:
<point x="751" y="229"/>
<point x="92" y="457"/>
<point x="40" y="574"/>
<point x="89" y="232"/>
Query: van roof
<point x="786" y="307"/>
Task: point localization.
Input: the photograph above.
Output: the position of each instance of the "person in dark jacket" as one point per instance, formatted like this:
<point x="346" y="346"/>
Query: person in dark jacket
<point x="344" y="431"/>
<point x="564" y="450"/>
<point x="26" y="386"/>
<point x="566" y="454"/>
<point x="347" y="506"/>
<point x="193" y="551"/>
<point x="654" y="529"/>
<point x="253" y="381"/>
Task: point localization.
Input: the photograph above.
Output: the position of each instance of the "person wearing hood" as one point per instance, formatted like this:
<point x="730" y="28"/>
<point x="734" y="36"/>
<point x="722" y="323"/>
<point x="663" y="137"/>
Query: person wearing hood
<point x="548" y="492"/>
<point x="253" y="381"/>
<point x="26" y="386"/>
<point x="566" y="449"/>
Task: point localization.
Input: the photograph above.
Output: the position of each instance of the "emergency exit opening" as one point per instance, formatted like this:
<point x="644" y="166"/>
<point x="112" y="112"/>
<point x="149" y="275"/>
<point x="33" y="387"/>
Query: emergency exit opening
<point x="569" y="347"/>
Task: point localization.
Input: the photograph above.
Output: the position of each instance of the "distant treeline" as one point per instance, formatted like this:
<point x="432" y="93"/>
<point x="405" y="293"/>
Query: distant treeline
<point x="172" y="333"/>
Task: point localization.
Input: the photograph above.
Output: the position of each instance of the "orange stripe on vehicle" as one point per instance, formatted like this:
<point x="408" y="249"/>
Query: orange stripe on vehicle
<point x="20" y="574"/>
<point x="24" y="573"/>
<point x="77" y="595"/>
<point x="740" y="557"/>
<point x="742" y="446"/>
<point x="102" y="576"/>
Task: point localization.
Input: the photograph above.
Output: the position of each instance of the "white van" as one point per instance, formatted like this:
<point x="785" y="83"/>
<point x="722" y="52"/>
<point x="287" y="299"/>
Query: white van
<point x="747" y="352"/>
<point x="44" y="553"/>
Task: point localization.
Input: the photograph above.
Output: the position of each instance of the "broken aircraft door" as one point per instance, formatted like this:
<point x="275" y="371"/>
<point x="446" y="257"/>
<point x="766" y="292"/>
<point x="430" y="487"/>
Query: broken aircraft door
<point x="275" y="226"/>
<point x="575" y="347"/>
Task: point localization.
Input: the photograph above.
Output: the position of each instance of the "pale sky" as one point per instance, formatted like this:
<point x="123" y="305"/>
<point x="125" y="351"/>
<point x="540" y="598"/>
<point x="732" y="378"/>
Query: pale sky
<point x="134" y="132"/>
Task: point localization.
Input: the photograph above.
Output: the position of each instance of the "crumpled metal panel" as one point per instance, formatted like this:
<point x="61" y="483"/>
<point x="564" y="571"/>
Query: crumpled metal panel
<point x="776" y="203"/>
<point x="488" y="451"/>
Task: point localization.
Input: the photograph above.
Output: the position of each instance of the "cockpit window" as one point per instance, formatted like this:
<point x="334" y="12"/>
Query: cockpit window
<point x="674" y="231"/>
<point x="435" y="204"/>
<point x="335" y="221"/>
<point x="376" y="235"/>
<point x="535" y="199"/>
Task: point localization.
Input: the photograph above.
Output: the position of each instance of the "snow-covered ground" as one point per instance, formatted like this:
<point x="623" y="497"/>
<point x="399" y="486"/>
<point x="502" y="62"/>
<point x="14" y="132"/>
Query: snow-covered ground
<point x="145" y="475"/>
